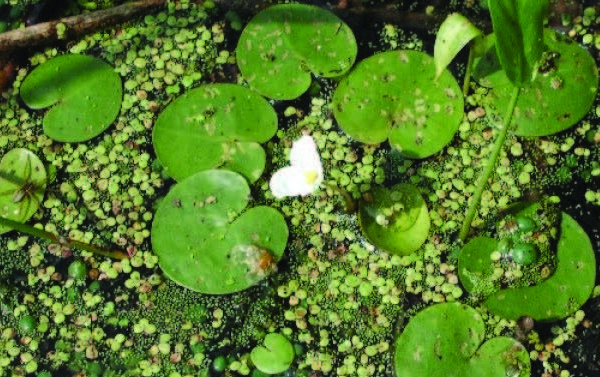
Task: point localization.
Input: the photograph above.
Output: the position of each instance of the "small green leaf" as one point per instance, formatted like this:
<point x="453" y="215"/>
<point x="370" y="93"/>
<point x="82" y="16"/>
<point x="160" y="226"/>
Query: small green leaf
<point x="23" y="181"/>
<point x="275" y="357"/>
<point x="454" y="33"/>
<point x="395" y="220"/>
<point x="518" y="26"/>
<point x="84" y="94"/>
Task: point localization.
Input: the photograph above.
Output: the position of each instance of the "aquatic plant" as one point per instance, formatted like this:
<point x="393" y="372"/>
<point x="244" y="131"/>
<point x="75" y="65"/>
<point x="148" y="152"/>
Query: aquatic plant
<point x="305" y="173"/>
<point x="23" y="181"/>
<point x="85" y="94"/>
<point x="282" y="45"/>
<point x="543" y="287"/>
<point x="531" y="72"/>
<point x="225" y="122"/>
<point x="207" y="241"/>
<point x="450" y="337"/>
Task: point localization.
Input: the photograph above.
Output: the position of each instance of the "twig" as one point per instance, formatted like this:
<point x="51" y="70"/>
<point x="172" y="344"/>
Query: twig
<point x="75" y="26"/>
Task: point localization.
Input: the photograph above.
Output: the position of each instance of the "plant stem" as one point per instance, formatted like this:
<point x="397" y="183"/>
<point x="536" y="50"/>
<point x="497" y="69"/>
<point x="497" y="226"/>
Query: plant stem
<point x="487" y="172"/>
<point x="67" y="242"/>
<point x="468" y="73"/>
<point x="349" y="202"/>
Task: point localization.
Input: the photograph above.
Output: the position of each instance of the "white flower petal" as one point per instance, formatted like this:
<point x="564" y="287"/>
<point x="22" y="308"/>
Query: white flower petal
<point x="304" y="175"/>
<point x="305" y="155"/>
<point x="289" y="181"/>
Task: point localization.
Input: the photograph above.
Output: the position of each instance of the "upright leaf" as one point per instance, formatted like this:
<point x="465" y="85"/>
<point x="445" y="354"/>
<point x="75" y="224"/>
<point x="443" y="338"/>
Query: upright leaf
<point x="455" y="32"/>
<point x="518" y="26"/>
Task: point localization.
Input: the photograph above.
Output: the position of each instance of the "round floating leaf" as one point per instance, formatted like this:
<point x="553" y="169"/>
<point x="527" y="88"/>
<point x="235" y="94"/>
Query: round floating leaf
<point x="275" y="357"/>
<point x="447" y="337"/>
<point x="394" y="95"/>
<point x="22" y="185"/>
<point x="85" y="94"/>
<point x="395" y="220"/>
<point x="564" y="292"/>
<point x="213" y="126"/>
<point x="204" y="239"/>
<point x="561" y="94"/>
<point x="283" y="44"/>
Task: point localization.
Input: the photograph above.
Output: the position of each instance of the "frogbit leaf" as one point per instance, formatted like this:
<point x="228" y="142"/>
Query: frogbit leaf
<point x="83" y="93"/>
<point x="454" y="33"/>
<point x="518" y="25"/>
<point x="22" y="184"/>
<point x="275" y="357"/>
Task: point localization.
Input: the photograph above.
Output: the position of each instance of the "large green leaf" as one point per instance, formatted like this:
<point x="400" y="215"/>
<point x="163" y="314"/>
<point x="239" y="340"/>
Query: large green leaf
<point x="518" y="25"/>
<point x="207" y="241"/>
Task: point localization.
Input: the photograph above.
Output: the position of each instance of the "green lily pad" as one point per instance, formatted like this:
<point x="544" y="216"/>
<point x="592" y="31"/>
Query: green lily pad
<point x="275" y="357"/>
<point x="561" y="94"/>
<point x="395" y="95"/>
<point x="22" y="185"/>
<point x="85" y="94"/>
<point x="218" y="125"/>
<point x="395" y="220"/>
<point x="207" y="241"/>
<point x="283" y="44"/>
<point x="554" y="298"/>
<point x="564" y="292"/>
<point x="447" y="337"/>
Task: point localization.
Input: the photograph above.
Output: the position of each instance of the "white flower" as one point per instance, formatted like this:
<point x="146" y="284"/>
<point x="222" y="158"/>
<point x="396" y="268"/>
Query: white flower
<point x="305" y="173"/>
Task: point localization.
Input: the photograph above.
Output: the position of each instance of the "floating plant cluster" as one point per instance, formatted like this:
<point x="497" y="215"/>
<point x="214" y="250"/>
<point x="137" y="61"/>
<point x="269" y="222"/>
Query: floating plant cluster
<point x="217" y="230"/>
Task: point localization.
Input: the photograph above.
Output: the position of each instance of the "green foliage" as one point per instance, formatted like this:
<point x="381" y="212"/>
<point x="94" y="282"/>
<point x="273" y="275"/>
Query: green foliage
<point x="282" y="45"/>
<point x="395" y="220"/>
<point x="204" y="244"/>
<point x="84" y="94"/>
<point x="394" y="95"/>
<point x="448" y="337"/>
<point x="22" y="185"/>
<point x="518" y="25"/>
<point x="454" y="33"/>
<point x="553" y="297"/>
<point x="219" y="125"/>
<point x="275" y="357"/>
<point x="560" y="95"/>
<point x="564" y="292"/>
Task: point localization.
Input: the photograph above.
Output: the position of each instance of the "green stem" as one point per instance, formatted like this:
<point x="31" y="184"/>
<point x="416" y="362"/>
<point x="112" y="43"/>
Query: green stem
<point x="67" y="242"/>
<point x="349" y="202"/>
<point x="468" y="72"/>
<point x="487" y="172"/>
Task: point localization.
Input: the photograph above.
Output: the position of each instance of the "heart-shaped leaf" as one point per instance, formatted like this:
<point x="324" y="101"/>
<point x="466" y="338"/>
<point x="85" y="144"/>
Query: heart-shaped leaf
<point x="395" y="220"/>
<point x="207" y="242"/>
<point x="564" y="292"/>
<point x="395" y="95"/>
<point x="282" y="45"/>
<point x="275" y="357"/>
<point x="218" y="125"/>
<point x="85" y="94"/>
<point x="558" y="296"/>
<point x="22" y="185"/>
<point x="561" y="94"/>
<point x="447" y="337"/>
